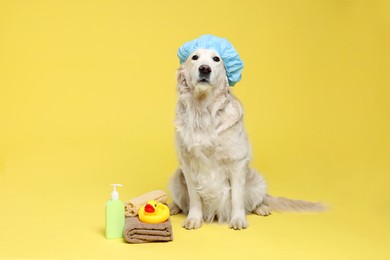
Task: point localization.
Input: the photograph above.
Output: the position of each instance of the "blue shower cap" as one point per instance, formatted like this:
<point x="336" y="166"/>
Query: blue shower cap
<point x="233" y="63"/>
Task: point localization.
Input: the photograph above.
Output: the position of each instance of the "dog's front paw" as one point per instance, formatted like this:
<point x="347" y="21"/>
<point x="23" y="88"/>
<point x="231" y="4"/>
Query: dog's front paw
<point x="238" y="223"/>
<point x="192" y="223"/>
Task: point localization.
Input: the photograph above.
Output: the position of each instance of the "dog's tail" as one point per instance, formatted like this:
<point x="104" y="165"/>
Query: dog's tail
<point x="280" y="204"/>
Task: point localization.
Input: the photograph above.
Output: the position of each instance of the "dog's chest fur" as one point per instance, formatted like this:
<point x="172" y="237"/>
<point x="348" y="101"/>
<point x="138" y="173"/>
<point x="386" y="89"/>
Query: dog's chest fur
<point x="197" y="131"/>
<point x="201" y="128"/>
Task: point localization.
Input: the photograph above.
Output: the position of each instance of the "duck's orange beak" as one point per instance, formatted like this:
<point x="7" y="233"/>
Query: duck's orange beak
<point x="149" y="208"/>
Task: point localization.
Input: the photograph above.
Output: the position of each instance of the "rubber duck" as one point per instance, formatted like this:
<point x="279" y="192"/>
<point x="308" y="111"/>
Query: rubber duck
<point x="153" y="212"/>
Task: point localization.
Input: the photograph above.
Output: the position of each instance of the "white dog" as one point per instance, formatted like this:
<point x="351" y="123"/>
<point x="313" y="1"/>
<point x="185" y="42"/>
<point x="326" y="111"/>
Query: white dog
<point x="214" y="180"/>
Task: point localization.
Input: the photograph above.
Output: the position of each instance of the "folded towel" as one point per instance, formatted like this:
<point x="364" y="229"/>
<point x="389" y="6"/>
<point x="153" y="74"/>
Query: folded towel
<point x="136" y="232"/>
<point x="132" y="206"/>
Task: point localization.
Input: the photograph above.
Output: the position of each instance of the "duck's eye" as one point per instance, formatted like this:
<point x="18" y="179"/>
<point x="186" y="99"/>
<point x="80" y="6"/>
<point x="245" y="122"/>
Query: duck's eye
<point x="216" y="59"/>
<point x="195" y="57"/>
<point x="155" y="205"/>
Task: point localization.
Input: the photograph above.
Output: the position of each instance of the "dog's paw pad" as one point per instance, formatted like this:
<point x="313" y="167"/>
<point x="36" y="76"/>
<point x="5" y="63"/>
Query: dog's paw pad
<point x="192" y="223"/>
<point x="238" y="223"/>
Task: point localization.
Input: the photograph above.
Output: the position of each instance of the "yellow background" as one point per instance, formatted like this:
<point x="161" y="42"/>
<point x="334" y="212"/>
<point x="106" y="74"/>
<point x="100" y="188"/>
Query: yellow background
<point x="87" y="98"/>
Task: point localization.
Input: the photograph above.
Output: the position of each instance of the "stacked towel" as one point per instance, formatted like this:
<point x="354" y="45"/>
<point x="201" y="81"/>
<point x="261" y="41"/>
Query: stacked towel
<point x="132" y="206"/>
<point x="136" y="232"/>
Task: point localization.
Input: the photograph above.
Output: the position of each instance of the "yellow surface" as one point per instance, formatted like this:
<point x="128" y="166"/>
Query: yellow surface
<point x="87" y="97"/>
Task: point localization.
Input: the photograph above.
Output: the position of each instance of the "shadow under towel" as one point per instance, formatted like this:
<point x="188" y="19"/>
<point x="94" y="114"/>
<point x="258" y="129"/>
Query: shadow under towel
<point x="137" y="232"/>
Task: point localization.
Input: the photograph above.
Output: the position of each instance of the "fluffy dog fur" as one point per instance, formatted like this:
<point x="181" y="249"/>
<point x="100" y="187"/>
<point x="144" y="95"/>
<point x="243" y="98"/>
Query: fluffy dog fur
<point x="214" y="180"/>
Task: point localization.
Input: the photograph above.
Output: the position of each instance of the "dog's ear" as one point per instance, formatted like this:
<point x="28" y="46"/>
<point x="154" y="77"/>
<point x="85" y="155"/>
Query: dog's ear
<point x="182" y="86"/>
<point x="223" y="87"/>
<point x="226" y="88"/>
<point x="230" y="115"/>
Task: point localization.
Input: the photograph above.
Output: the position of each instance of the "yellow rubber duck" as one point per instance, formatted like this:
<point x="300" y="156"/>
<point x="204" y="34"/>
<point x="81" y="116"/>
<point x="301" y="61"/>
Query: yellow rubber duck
<point x="153" y="212"/>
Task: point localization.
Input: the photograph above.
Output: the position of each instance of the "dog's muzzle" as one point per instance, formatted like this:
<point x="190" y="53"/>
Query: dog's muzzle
<point x="204" y="73"/>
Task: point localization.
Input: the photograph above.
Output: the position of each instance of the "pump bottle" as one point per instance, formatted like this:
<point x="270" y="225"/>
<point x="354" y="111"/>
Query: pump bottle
<point x="115" y="215"/>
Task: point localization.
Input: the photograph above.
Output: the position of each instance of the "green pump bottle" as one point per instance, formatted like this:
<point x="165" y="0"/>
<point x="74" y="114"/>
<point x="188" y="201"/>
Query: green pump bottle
<point x="115" y="215"/>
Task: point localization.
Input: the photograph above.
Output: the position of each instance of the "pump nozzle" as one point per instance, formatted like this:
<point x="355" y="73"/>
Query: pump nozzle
<point x="114" y="193"/>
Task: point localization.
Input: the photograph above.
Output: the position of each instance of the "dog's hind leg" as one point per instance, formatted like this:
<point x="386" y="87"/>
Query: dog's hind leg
<point x="262" y="210"/>
<point x="174" y="209"/>
<point x="179" y="192"/>
<point x="255" y="193"/>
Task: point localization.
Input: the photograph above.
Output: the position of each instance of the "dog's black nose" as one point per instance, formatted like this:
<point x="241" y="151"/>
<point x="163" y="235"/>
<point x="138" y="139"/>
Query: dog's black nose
<point x="205" y="69"/>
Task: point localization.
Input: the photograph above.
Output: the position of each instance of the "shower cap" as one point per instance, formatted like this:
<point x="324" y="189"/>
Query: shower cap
<point x="233" y="63"/>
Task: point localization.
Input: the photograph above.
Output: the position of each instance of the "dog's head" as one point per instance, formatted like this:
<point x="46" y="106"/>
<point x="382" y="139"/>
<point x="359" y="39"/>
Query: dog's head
<point x="202" y="73"/>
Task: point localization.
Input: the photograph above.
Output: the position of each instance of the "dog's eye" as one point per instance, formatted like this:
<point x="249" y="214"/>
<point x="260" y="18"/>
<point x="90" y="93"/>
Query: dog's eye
<point x="216" y="59"/>
<point x="195" y="57"/>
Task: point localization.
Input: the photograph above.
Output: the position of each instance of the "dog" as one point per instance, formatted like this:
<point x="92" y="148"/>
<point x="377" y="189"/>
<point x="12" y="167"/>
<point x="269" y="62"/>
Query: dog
<point x="214" y="180"/>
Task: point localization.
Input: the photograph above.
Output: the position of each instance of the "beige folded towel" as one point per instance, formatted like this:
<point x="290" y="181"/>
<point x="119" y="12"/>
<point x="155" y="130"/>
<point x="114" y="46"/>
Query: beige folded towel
<point x="132" y="206"/>
<point x="136" y="232"/>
